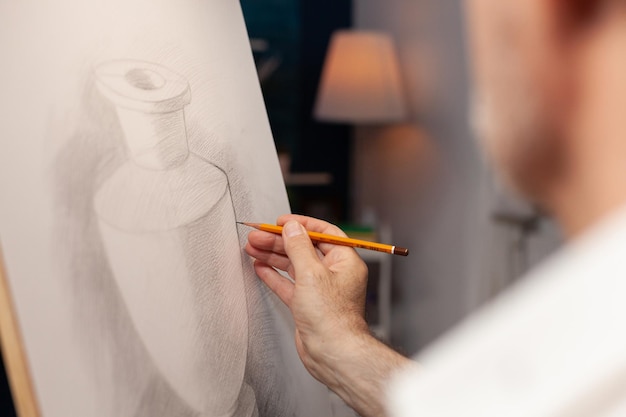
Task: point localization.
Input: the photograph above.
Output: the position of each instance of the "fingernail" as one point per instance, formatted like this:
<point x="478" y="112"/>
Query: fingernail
<point x="293" y="228"/>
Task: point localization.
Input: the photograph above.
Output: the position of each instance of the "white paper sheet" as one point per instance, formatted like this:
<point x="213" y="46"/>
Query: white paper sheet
<point x="133" y="136"/>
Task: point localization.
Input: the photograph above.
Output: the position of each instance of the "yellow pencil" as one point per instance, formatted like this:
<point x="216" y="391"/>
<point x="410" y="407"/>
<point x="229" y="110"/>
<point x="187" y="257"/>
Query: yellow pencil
<point x="335" y="240"/>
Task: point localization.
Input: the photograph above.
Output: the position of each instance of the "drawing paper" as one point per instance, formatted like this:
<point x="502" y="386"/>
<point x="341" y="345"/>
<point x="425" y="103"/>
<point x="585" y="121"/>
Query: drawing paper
<point x="133" y="136"/>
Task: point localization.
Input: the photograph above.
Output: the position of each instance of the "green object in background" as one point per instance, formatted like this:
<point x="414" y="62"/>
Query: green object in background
<point x="357" y="231"/>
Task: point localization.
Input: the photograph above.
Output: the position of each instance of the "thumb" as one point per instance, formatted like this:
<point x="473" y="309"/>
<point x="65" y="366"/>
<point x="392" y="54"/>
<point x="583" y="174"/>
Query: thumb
<point x="298" y="247"/>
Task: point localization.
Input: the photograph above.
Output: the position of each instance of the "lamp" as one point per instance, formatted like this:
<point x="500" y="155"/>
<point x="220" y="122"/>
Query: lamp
<point x="361" y="85"/>
<point x="361" y="81"/>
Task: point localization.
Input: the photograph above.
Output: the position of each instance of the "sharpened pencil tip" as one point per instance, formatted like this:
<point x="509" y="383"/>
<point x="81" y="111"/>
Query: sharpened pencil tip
<point x="255" y="225"/>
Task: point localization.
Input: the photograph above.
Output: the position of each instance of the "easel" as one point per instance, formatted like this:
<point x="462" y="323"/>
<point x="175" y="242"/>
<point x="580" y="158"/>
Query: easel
<point x="13" y="353"/>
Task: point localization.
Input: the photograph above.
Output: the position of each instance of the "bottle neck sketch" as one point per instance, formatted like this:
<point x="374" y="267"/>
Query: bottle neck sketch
<point x="168" y="226"/>
<point x="150" y="102"/>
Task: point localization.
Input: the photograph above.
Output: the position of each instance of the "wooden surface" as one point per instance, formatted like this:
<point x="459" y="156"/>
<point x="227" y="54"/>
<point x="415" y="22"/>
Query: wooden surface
<point x="13" y="353"/>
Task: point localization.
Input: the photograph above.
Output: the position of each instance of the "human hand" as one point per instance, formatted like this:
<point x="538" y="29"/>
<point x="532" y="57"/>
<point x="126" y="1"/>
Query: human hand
<point x="327" y="297"/>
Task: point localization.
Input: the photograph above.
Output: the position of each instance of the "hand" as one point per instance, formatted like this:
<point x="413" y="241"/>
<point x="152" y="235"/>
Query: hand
<point x="327" y="300"/>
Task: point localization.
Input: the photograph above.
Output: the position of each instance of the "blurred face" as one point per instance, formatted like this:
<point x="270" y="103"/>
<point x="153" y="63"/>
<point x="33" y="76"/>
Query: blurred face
<point x="515" y="89"/>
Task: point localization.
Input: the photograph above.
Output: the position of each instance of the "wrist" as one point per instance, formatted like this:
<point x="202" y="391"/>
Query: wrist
<point x="332" y="338"/>
<point x="331" y="352"/>
<point x="358" y="368"/>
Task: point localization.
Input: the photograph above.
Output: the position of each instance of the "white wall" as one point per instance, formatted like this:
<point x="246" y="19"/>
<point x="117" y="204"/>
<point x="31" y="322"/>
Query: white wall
<point x="429" y="184"/>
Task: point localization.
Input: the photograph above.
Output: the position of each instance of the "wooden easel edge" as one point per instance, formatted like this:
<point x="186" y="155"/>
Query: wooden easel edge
<point x="13" y="352"/>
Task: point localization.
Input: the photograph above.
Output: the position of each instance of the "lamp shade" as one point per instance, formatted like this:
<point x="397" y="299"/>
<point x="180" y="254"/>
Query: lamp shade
<point x="361" y="81"/>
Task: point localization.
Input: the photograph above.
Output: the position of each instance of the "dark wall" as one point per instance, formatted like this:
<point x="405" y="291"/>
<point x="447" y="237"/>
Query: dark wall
<point x="323" y="146"/>
<point x="278" y="22"/>
<point x="299" y="31"/>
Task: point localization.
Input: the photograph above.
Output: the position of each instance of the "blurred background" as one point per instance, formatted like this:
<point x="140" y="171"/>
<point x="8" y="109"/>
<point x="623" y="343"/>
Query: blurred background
<point x="369" y="105"/>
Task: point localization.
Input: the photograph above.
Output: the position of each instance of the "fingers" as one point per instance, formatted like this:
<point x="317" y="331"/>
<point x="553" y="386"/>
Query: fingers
<point x="311" y="224"/>
<point x="315" y="225"/>
<point x="299" y="248"/>
<point x="279" y="285"/>
<point x="270" y="248"/>
<point x="270" y="258"/>
<point x="266" y="241"/>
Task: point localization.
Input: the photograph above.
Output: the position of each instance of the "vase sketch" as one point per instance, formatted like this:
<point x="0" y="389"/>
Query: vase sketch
<point x="168" y="226"/>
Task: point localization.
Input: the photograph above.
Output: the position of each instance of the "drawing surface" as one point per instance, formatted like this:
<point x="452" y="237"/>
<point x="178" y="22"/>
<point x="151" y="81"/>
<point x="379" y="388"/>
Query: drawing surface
<point x="133" y="137"/>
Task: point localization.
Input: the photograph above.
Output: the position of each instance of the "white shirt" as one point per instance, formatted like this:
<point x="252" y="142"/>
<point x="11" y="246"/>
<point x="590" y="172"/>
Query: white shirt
<point x="552" y="346"/>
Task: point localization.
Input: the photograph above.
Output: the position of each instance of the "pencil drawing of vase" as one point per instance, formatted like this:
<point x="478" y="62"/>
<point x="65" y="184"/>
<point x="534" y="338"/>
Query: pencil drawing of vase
<point x="168" y="226"/>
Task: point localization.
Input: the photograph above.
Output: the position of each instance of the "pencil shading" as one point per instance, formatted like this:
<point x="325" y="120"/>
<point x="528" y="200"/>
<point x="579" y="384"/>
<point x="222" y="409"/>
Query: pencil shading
<point x="145" y="141"/>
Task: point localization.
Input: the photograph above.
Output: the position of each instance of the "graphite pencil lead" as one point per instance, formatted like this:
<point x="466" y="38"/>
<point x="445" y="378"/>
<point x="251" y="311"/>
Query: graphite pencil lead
<point x="255" y="225"/>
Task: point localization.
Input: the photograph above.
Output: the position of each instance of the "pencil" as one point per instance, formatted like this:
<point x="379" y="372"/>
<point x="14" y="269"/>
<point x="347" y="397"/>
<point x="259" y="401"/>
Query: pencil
<point x="335" y="240"/>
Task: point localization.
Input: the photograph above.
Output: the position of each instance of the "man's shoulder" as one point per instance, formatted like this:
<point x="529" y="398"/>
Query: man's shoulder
<point x="552" y="344"/>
